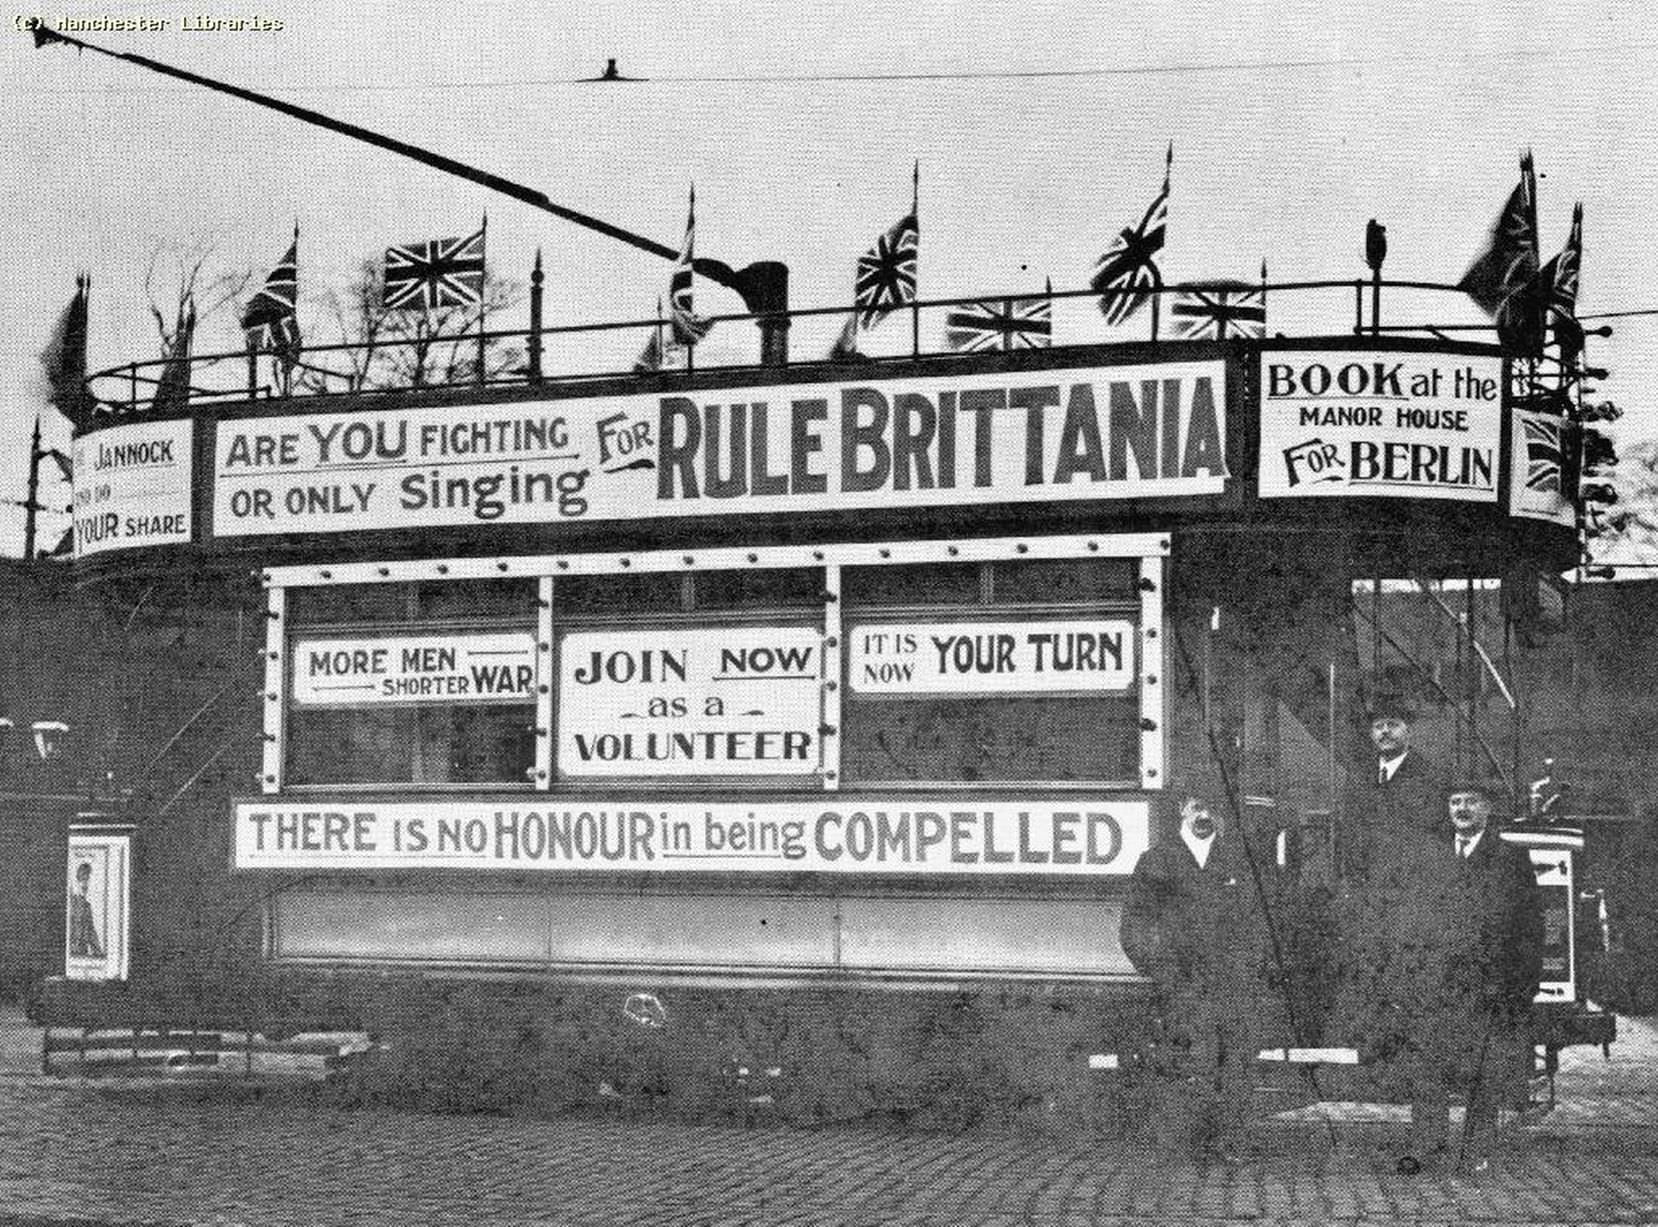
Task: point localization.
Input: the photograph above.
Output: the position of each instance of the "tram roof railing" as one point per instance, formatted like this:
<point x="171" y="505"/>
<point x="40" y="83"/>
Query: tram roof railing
<point x="519" y="357"/>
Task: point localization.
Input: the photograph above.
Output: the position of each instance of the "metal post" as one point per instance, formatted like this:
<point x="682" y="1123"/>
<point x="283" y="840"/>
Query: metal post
<point x="31" y="508"/>
<point x="1376" y="303"/>
<point x="534" y="342"/>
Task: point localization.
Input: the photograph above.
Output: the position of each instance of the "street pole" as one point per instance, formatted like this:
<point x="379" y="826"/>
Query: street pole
<point x="31" y="507"/>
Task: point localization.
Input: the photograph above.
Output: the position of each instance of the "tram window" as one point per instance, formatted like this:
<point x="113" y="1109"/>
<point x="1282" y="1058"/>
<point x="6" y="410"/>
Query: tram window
<point x="1042" y="581"/>
<point x="464" y="599"/>
<point x="621" y="594"/>
<point x="759" y="589"/>
<point x="426" y="745"/>
<point x="992" y="739"/>
<point x="401" y="603"/>
<point x="950" y="583"/>
<point x="349" y="603"/>
<point x="905" y="720"/>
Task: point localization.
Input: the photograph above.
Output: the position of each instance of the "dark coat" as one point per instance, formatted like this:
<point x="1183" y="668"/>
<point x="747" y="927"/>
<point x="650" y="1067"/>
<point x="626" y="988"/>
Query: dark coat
<point x="1186" y="925"/>
<point x="1444" y="944"/>
<point x="1379" y="814"/>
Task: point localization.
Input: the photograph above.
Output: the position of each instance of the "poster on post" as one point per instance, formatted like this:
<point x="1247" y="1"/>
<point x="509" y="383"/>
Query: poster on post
<point x="97" y="919"/>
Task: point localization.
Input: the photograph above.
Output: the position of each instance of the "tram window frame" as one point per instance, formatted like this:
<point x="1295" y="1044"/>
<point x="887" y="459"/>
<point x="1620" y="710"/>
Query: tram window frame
<point x="810" y="584"/>
<point x="424" y="735"/>
<point x="995" y="600"/>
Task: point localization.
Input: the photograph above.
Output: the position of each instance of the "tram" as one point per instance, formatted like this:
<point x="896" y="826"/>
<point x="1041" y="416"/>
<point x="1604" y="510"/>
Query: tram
<point x="827" y="704"/>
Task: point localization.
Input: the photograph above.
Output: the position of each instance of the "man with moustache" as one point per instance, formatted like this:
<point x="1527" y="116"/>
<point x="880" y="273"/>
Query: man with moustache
<point x="1194" y="923"/>
<point x="1470" y="935"/>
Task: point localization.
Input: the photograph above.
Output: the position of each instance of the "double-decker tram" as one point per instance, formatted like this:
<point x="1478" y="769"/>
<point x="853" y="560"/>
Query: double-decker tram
<point x="817" y="709"/>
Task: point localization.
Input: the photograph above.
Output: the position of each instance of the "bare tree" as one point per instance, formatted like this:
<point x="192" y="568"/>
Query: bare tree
<point x="398" y="348"/>
<point x="178" y="279"/>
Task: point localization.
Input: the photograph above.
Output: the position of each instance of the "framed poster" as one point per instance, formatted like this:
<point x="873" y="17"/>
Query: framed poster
<point x="97" y="916"/>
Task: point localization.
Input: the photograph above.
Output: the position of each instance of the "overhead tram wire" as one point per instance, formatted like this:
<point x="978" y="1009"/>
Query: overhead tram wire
<point x="763" y="286"/>
<point x="994" y="74"/>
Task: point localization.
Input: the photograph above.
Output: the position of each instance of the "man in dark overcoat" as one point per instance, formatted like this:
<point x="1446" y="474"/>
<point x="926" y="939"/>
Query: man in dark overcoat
<point x="1468" y="937"/>
<point x="1194" y="924"/>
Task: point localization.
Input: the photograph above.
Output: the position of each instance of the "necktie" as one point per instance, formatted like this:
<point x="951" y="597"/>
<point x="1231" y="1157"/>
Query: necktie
<point x="1464" y="843"/>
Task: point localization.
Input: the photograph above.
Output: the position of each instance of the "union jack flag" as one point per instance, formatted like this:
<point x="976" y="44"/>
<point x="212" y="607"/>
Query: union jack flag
<point x="1543" y="454"/>
<point x="688" y="327"/>
<point x="1504" y="279"/>
<point x="1559" y="282"/>
<point x="441" y="273"/>
<point x="270" y="322"/>
<point x="1008" y="323"/>
<point x="886" y="272"/>
<point x="1237" y="312"/>
<point x="1127" y="274"/>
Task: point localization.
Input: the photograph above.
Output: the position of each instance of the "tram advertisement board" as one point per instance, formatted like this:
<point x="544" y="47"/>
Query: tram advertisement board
<point x="929" y="836"/>
<point x="680" y="702"/>
<point x="979" y="658"/>
<point x="1380" y="424"/>
<point x="132" y="487"/>
<point x="477" y="667"/>
<point x="1103" y="432"/>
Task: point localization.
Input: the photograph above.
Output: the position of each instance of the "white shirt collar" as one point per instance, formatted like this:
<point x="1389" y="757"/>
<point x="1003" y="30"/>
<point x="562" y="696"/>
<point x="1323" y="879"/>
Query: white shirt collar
<point x="1473" y="841"/>
<point x="1387" y="766"/>
<point x="1200" y="846"/>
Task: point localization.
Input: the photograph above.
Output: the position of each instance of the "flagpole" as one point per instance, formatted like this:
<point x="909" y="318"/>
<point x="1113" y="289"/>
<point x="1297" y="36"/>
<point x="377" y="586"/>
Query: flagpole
<point x="690" y="273"/>
<point x="1157" y="288"/>
<point x="1263" y="298"/>
<point x="915" y="302"/>
<point x="483" y="297"/>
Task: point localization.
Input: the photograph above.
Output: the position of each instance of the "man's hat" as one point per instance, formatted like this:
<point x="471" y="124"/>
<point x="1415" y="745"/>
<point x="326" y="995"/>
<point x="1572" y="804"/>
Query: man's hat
<point x="1198" y="781"/>
<point x="1493" y="788"/>
<point x="1391" y="692"/>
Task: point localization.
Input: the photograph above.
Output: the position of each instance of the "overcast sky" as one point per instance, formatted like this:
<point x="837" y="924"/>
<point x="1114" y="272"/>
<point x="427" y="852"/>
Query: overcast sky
<point x="1040" y="130"/>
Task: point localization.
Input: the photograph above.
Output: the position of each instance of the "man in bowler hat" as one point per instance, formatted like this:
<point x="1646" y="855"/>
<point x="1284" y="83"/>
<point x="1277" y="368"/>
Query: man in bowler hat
<point x="1470" y="941"/>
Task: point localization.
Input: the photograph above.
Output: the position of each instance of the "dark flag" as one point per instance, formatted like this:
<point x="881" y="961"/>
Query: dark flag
<point x="441" y="273"/>
<point x="1503" y="278"/>
<point x="1235" y="312"/>
<point x="65" y="359"/>
<point x="1127" y="274"/>
<point x="1559" y="280"/>
<point x="885" y="278"/>
<point x="1005" y="324"/>
<point x="271" y="322"/>
<point x="172" y="390"/>
<point x="688" y="328"/>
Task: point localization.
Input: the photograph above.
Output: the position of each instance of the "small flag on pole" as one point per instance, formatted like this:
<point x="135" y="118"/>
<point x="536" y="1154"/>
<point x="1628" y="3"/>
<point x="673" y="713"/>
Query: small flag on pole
<point x="885" y="277"/>
<point x="1224" y="312"/>
<point x="688" y="328"/>
<point x="439" y="273"/>
<point x="1004" y="324"/>
<point x="1127" y="274"/>
<point x="1559" y="282"/>
<point x="270" y="321"/>
<point x="65" y="359"/>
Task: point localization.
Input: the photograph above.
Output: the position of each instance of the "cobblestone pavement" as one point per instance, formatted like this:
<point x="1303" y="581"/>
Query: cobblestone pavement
<point x="74" y="1151"/>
